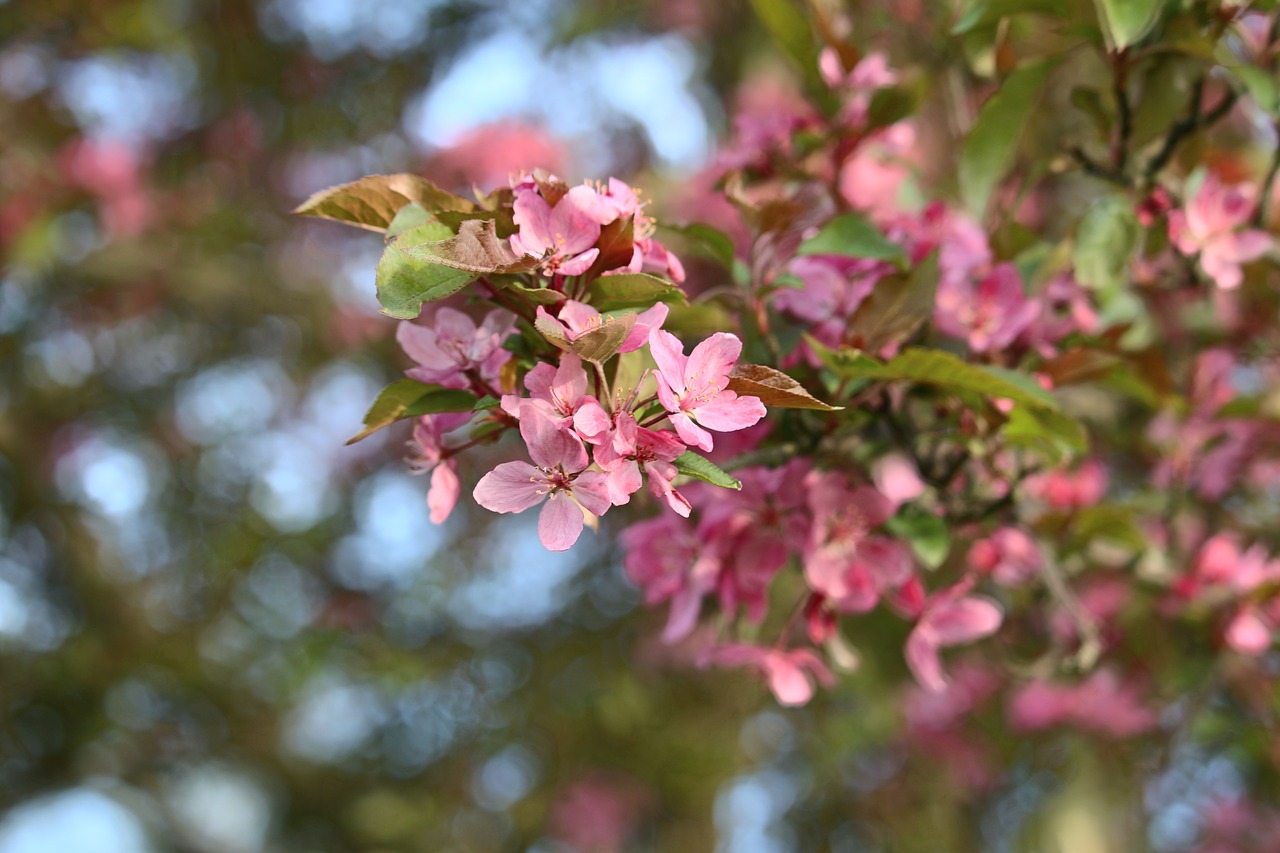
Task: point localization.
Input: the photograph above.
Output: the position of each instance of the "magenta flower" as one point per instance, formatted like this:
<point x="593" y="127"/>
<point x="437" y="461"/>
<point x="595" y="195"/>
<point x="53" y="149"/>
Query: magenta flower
<point x="790" y="674"/>
<point x="950" y="617"/>
<point x="455" y="346"/>
<point x="558" y="480"/>
<point x="1212" y="224"/>
<point x="667" y="559"/>
<point x="1101" y="703"/>
<point x="1010" y="556"/>
<point x="693" y="388"/>
<point x="562" y="237"/>
<point x="578" y="318"/>
<point x="989" y="315"/>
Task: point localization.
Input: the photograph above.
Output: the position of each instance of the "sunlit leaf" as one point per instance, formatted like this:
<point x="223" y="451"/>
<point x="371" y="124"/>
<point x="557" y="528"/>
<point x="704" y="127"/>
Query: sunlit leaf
<point x="701" y="468"/>
<point x="774" y="388"/>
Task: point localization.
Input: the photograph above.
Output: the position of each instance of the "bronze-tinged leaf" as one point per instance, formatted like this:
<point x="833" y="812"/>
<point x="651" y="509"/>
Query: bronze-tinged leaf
<point x="552" y="188"/>
<point x="477" y="248"/>
<point x="616" y="245"/>
<point x="598" y="345"/>
<point x="774" y="388"/>
<point x="373" y="202"/>
<point x="895" y="309"/>
<point x="1079" y="364"/>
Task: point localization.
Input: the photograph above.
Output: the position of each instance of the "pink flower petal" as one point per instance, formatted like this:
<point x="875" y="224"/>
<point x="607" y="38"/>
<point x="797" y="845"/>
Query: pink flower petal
<point x="710" y="362"/>
<point x="669" y="355"/>
<point x="591" y="489"/>
<point x="560" y="522"/>
<point x="728" y="412"/>
<point x="511" y="487"/>
<point x="549" y="446"/>
<point x="444" y="493"/>
<point x="691" y="433"/>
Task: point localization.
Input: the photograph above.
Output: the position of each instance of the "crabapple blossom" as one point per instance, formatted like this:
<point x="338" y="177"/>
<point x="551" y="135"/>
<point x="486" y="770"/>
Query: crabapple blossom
<point x="562" y="237"/>
<point x="693" y="388"/>
<point x="790" y="674"/>
<point x="455" y="346"/>
<point x="558" y="479"/>
<point x="1213" y="224"/>
<point x="950" y="617"/>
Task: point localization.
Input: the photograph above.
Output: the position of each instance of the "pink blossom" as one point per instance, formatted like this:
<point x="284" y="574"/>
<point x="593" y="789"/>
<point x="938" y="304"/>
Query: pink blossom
<point x="897" y="478"/>
<point x="1223" y="562"/>
<point x="752" y="532"/>
<point x="561" y="394"/>
<point x="833" y="289"/>
<point x="1101" y="703"/>
<point x="1250" y="631"/>
<point x="1070" y="490"/>
<point x="871" y="178"/>
<point x="630" y="451"/>
<point x="693" y="388"/>
<point x="560" y="482"/>
<point x="562" y="237"/>
<point x="428" y="454"/>
<point x="667" y="559"/>
<point x="790" y="674"/>
<point x="989" y="315"/>
<point x="1213" y="224"/>
<point x="575" y="319"/>
<point x="843" y="561"/>
<point x="455" y="346"/>
<point x="950" y="617"/>
<point x="1010" y="556"/>
<point x="488" y="155"/>
<point x="597" y="813"/>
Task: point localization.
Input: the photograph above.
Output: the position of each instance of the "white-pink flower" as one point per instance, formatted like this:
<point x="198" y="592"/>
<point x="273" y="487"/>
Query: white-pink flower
<point x="561" y="394"/>
<point x="562" y="237"/>
<point x="694" y="388"/>
<point x="558" y="480"/>
<point x="1212" y="224"/>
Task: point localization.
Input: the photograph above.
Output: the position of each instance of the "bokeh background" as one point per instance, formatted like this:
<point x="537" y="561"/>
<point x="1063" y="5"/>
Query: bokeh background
<point x="221" y="629"/>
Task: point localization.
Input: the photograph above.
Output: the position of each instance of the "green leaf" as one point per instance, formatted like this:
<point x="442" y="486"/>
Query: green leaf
<point x="404" y="283"/>
<point x="411" y="216"/>
<point x="598" y="345"/>
<point x="444" y="400"/>
<point x="1089" y="102"/>
<point x="774" y="388"/>
<point x="1262" y="85"/>
<point x="789" y="27"/>
<point x="632" y="290"/>
<point x="936" y="367"/>
<point x="536" y="295"/>
<point x="1125" y="22"/>
<point x="992" y="143"/>
<point x="714" y="242"/>
<point x="392" y="405"/>
<point x="373" y="202"/>
<point x="854" y="236"/>
<point x="925" y="533"/>
<point x="982" y="12"/>
<point x="896" y="308"/>
<point x="1105" y="242"/>
<point x="892" y="104"/>
<point x="1049" y="432"/>
<point x="701" y="468"/>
